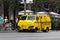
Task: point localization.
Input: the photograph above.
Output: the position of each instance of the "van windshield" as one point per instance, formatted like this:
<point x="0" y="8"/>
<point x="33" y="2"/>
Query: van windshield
<point x="31" y="17"/>
<point x="23" y="17"/>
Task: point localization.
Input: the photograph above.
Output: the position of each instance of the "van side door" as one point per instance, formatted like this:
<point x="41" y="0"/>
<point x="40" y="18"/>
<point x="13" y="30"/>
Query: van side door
<point x="38" y="22"/>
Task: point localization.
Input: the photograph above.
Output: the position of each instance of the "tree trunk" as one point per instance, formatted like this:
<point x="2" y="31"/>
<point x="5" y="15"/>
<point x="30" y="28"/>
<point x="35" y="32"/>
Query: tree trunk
<point x="14" y="15"/>
<point x="6" y="9"/>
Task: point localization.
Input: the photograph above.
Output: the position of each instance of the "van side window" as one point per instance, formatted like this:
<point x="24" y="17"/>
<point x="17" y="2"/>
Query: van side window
<point x="23" y="17"/>
<point x="37" y="18"/>
<point x="40" y="17"/>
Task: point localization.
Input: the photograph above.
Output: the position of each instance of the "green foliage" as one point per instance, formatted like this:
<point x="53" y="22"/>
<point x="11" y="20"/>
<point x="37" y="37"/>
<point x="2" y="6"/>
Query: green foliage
<point x="56" y="23"/>
<point x="52" y="5"/>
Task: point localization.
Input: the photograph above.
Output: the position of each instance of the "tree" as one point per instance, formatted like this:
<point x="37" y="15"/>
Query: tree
<point x="52" y="5"/>
<point x="6" y="8"/>
<point x="13" y="5"/>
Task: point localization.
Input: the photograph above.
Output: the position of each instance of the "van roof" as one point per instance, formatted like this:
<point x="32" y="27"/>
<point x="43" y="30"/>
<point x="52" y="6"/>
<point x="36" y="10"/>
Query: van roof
<point x="36" y="15"/>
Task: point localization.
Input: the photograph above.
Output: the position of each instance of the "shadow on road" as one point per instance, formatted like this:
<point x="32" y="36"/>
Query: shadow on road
<point x="31" y="32"/>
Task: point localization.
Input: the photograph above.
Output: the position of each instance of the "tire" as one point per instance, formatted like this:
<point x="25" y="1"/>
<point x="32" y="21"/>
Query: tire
<point x="47" y="29"/>
<point x="36" y="29"/>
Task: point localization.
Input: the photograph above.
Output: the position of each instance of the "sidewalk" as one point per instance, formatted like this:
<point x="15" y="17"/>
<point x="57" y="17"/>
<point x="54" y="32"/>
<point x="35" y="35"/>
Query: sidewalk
<point x="8" y="31"/>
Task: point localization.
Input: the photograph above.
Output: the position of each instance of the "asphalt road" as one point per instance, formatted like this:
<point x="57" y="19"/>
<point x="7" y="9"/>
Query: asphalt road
<point x="52" y="35"/>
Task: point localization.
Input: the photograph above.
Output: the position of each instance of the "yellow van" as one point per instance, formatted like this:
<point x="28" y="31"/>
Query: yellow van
<point x="34" y="22"/>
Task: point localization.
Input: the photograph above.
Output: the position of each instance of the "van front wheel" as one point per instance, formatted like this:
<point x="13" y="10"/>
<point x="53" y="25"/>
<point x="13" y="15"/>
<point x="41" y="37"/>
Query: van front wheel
<point x="47" y="29"/>
<point x="36" y="29"/>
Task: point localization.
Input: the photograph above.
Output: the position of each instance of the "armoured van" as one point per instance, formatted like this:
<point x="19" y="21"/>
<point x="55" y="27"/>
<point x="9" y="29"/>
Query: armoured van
<point x="34" y="23"/>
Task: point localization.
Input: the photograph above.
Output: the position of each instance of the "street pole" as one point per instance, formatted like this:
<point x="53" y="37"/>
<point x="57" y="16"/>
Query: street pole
<point x="29" y="5"/>
<point x="24" y="6"/>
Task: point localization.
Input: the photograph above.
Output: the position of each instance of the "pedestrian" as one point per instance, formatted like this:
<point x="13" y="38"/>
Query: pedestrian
<point x="6" y="20"/>
<point x="1" y="22"/>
